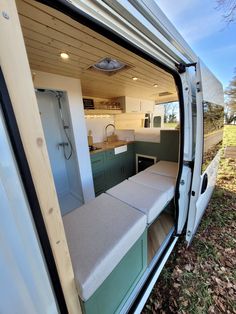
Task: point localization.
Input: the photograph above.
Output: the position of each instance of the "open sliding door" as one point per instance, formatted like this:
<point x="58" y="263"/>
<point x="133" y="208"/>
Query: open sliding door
<point x="209" y="134"/>
<point x="25" y="285"/>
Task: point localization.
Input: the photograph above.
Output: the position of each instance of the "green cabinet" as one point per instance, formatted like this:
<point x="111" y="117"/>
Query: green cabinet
<point x="110" y="169"/>
<point x="98" y="170"/>
<point x="111" y="296"/>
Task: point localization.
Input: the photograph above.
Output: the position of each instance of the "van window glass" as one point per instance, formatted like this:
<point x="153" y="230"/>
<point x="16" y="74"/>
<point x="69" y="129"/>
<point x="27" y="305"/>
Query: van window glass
<point x="171" y="115"/>
<point x="213" y="123"/>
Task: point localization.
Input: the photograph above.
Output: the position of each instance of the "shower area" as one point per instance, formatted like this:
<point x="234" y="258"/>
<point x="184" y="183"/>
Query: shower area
<point x="55" y="117"/>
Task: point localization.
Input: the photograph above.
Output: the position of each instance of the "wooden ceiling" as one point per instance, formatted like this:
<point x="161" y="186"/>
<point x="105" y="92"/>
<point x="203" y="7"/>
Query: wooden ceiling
<point x="48" y="32"/>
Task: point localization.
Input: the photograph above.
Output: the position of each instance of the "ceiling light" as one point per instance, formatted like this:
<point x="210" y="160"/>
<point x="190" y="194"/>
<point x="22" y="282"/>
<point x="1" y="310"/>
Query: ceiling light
<point x="108" y="64"/>
<point x="155" y="85"/>
<point x="64" y="55"/>
<point x="134" y="78"/>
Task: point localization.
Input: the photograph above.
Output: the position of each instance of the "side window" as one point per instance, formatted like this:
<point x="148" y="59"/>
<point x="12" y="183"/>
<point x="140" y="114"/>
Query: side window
<point x="157" y="122"/>
<point x="171" y="115"/>
<point x="213" y="123"/>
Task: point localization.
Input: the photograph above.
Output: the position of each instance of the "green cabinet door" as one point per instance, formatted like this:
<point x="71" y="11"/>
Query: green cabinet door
<point x="110" y="169"/>
<point x="114" y="172"/>
<point x="99" y="182"/>
<point x="129" y="165"/>
<point x="99" y="174"/>
<point x="119" y="167"/>
<point x="111" y="296"/>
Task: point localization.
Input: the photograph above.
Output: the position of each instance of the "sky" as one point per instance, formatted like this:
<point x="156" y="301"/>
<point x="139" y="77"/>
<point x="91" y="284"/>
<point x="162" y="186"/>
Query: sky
<point x="203" y="27"/>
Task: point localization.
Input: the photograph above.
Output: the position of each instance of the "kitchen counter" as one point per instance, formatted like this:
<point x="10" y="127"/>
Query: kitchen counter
<point x="104" y="146"/>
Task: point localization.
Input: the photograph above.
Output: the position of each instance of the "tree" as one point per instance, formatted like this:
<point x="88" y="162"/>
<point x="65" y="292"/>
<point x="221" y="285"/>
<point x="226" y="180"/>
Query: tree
<point x="230" y="108"/>
<point x="229" y="9"/>
<point x="170" y="112"/>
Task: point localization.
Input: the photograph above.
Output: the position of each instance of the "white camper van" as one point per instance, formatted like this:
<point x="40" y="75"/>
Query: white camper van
<point x="93" y="200"/>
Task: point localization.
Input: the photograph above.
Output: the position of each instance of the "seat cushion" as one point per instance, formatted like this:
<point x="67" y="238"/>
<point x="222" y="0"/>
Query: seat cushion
<point x="164" y="168"/>
<point x="148" y="200"/>
<point x="99" y="234"/>
<point x="156" y="181"/>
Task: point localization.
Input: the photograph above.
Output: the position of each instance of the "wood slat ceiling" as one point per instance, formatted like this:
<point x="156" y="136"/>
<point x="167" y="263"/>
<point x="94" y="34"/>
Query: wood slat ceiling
<point x="48" y="32"/>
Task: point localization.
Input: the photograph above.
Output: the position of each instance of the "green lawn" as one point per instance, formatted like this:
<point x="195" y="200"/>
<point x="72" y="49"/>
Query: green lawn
<point x="229" y="135"/>
<point x="202" y="278"/>
<point x="170" y="125"/>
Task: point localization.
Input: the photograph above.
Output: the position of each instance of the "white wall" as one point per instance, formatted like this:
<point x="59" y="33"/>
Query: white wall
<point x="97" y="126"/>
<point x="159" y="110"/>
<point x="73" y="88"/>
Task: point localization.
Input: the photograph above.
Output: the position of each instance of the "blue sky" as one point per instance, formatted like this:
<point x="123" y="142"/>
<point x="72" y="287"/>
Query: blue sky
<point x="203" y="27"/>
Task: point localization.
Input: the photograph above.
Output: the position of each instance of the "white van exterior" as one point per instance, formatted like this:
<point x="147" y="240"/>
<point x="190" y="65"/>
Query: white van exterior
<point x="39" y="267"/>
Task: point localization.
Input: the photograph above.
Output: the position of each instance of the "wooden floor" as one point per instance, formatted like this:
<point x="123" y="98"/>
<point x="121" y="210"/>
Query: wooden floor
<point x="157" y="233"/>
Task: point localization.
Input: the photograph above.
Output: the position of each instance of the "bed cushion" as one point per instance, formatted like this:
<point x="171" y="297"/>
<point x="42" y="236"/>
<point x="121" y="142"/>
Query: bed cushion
<point x="156" y="181"/>
<point x="99" y="234"/>
<point x="164" y="168"/>
<point x="148" y="200"/>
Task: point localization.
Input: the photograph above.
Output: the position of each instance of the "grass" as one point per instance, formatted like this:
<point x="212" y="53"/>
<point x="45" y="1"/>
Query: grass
<point x="171" y="125"/>
<point x="202" y="278"/>
<point x="229" y="135"/>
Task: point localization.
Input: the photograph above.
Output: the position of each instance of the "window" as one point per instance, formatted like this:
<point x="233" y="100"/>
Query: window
<point x="213" y="122"/>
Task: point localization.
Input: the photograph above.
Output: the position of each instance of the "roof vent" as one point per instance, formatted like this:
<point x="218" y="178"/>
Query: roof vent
<point x="109" y="66"/>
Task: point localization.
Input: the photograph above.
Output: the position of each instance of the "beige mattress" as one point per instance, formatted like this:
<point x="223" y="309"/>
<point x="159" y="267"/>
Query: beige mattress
<point x="99" y="234"/>
<point x="148" y="200"/>
<point x="156" y="181"/>
<point x="164" y="168"/>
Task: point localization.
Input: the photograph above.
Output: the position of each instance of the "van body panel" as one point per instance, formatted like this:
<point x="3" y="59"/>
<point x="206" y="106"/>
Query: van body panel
<point x="212" y="89"/>
<point x="25" y="284"/>
<point x="208" y="90"/>
<point x="184" y="197"/>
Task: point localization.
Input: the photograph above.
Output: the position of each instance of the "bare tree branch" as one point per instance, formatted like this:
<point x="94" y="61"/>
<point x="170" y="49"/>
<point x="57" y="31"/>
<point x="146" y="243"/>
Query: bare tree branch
<point x="228" y="7"/>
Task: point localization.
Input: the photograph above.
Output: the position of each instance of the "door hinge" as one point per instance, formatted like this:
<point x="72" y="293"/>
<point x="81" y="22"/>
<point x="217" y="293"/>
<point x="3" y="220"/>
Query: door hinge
<point x="198" y="87"/>
<point x="181" y="67"/>
<point x="188" y="163"/>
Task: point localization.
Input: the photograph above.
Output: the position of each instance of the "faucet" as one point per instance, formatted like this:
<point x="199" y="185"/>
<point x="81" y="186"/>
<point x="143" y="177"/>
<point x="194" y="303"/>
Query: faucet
<point x="110" y="124"/>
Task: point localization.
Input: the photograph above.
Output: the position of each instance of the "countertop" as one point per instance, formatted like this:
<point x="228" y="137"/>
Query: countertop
<point x="108" y="145"/>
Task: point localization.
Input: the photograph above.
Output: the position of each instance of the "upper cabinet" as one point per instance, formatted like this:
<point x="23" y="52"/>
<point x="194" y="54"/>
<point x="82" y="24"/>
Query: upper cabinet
<point x="147" y="106"/>
<point x="129" y="104"/>
<point x="135" y="105"/>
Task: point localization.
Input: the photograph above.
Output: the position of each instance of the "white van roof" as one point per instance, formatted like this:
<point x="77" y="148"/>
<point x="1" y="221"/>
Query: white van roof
<point x="148" y="26"/>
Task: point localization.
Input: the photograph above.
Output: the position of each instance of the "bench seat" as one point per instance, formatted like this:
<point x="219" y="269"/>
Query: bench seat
<point x="148" y="200"/>
<point x="99" y="234"/>
<point x="164" y="168"/>
<point x="156" y="181"/>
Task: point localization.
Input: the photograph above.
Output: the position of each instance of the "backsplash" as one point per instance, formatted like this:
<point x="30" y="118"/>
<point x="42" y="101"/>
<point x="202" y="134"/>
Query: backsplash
<point x="97" y="126"/>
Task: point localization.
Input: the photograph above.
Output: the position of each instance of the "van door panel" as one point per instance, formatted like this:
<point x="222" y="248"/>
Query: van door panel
<point x="209" y="131"/>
